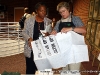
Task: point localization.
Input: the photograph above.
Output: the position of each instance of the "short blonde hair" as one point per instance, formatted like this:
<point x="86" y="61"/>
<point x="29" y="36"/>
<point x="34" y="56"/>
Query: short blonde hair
<point x="63" y="4"/>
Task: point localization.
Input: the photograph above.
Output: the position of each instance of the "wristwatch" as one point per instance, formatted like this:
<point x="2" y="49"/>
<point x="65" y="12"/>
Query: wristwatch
<point x="73" y="28"/>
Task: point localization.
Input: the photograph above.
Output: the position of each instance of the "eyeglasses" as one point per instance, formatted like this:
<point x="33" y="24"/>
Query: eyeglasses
<point x="63" y="11"/>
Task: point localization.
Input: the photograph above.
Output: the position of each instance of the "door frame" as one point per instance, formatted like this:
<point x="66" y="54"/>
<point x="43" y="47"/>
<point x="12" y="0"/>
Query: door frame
<point x="15" y="9"/>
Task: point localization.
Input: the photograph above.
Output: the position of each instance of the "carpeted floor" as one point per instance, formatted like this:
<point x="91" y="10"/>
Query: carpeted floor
<point x="91" y="70"/>
<point x="16" y="63"/>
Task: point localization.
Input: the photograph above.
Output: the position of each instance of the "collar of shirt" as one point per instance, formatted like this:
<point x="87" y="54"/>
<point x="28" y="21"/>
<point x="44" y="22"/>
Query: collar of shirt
<point x="68" y="19"/>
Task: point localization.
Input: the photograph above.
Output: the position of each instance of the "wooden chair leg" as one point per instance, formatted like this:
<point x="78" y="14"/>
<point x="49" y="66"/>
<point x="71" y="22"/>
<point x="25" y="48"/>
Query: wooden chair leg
<point x="93" y="60"/>
<point x="98" y="66"/>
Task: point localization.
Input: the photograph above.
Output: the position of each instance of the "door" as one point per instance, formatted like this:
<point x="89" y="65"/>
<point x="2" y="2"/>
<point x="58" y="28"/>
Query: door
<point x="18" y="13"/>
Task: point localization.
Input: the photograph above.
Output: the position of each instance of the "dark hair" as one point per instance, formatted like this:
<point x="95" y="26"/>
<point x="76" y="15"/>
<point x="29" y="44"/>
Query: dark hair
<point x="26" y="10"/>
<point x="39" y="4"/>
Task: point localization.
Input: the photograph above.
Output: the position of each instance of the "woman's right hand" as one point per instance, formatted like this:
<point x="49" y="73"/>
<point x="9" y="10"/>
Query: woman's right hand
<point x="29" y="42"/>
<point x="53" y="32"/>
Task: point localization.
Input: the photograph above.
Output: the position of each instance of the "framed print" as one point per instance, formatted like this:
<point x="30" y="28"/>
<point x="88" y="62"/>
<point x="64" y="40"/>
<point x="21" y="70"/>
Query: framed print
<point x="93" y="31"/>
<point x="97" y="36"/>
<point x="99" y="11"/>
<point x="96" y="7"/>
<point x="88" y="28"/>
<point x="91" y="7"/>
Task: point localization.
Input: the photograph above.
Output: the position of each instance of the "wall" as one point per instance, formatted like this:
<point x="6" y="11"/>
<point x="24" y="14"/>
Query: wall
<point x="9" y="14"/>
<point x="10" y="4"/>
<point x="81" y="9"/>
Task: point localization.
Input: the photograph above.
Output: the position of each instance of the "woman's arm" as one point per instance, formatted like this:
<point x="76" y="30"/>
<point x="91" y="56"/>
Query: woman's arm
<point x="25" y="34"/>
<point x="56" y="28"/>
<point x="79" y="26"/>
<point x="25" y="31"/>
<point x="81" y="29"/>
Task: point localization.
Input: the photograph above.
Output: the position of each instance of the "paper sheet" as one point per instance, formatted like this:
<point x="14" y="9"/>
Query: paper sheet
<point x="70" y="48"/>
<point x="49" y="45"/>
<point x="39" y="56"/>
<point x="47" y="29"/>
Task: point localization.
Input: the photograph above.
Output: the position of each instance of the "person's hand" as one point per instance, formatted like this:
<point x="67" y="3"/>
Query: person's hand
<point x="53" y="32"/>
<point x="29" y="42"/>
<point x="65" y="30"/>
<point x="46" y="34"/>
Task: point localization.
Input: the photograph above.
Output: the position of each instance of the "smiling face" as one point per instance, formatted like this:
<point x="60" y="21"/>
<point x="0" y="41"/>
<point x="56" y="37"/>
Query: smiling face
<point x="64" y="12"/>
<point x="41" y="11"/>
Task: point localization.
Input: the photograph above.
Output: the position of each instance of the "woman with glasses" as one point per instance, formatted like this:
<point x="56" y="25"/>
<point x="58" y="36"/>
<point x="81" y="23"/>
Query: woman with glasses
<point x="68" y="22"/>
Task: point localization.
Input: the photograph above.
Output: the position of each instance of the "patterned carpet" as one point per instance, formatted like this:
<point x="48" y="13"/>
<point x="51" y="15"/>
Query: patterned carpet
<point x="89" y="69"/>
<point x="83" y="70"/>
<point x="16" y="63"/>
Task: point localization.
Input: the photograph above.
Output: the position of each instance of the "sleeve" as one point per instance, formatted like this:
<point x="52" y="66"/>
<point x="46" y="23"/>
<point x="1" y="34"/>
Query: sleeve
<point x="25" y="31"/>
<point x="57" y="26"/>
<point x="28" y="15"/>
<point x="77" y="21"/>
<point x="48" y="26"/>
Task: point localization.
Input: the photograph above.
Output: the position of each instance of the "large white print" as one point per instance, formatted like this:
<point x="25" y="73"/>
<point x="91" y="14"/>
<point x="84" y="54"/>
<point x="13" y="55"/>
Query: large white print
<point x="57" y="51"/>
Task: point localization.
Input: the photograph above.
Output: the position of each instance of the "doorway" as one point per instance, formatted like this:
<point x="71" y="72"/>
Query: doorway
<point x="18" y="13"/>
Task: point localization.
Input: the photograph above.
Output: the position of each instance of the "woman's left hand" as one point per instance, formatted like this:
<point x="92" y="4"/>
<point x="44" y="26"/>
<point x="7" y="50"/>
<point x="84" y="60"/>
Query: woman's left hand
<point x="46" y="34"/>
<point x="65" y="30"/>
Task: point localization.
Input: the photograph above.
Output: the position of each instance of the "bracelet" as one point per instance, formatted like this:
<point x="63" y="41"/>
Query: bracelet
<point x="73" y="28"/>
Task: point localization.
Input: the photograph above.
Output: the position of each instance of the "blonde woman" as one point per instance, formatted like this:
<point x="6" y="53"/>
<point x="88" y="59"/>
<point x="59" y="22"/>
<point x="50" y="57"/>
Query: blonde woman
<point x="68" y="22"/>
